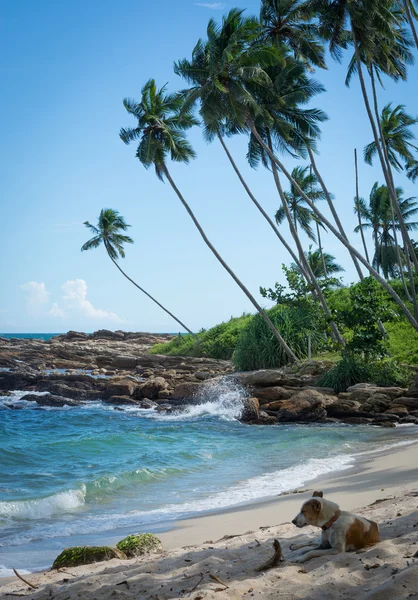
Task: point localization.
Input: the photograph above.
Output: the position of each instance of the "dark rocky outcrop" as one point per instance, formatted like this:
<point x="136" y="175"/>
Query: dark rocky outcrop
<point x="50" y="400"/>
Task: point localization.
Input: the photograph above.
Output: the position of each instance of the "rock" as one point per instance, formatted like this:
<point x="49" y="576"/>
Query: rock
<point x="386" y="417"/>
<point x="84" y="555"/>
<point x="408" y="419"/>
<point x="187" y="391"/>
<point x="148" y="404"/>
<point x="102" y="360"/>
<point x="410" y="403"/>
<point x="384" y="423"/>
<point x="202" y="375"/>
<point x="124" y="362"/>
<point x="358" y="420"/>
<point x="105" y="334"/>
<point x="270" y="377"/>
<point x="271" y="394"/>
<point x="124" y="387"/>
<point x="121" y="400"/>
<point x="140" y="544"/>
<point x="62" y="389"/>
<point x="343" y="409"/>
<point x="377" y="403"/>
<point x="250" y="410"/>
<point x="398" y="409"/>
<point x="164" y="394"/>
<point x="151" y="388"/>
<point x="306" y="405"/>
<point x="164" y="408"/>
<point x="363" y="391"/>
<point x="50" y="400"/>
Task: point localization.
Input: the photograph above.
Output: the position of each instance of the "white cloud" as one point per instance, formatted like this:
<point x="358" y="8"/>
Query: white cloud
<point x="56" y="311"/>
<point x="37" y="297"/>
<point x="211" y="5"/>
<point x="76" y="298"/>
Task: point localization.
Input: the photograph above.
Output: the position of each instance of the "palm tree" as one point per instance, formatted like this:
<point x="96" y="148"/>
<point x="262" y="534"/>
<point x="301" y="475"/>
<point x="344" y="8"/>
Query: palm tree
<point x="316" y="260"/>
<point x="290" y="23"/>
<point x="395" y="127"/>
<point x="108" y="232"/>
<point x="162" y="120"/>
<point x="411" y="14"/>
<point x="300" y="213"/>
<point x="377" y="216"/>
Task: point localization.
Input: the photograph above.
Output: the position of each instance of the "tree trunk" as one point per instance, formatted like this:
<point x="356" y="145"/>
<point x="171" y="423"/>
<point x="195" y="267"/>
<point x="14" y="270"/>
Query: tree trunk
<point x="261" y="209"/>
<point x="149" y="296"/>
<point x="318" y="233"/>
<point x="410" y="21"/>
<point x="337" y="234"/>
<point x="358" y="209"/>
<point x="392" y="194"/>
<point x="290" y="354"/>
<point x="333" y="210"/>
<point x="413" y="296"/>
<point x="336" y="334"/>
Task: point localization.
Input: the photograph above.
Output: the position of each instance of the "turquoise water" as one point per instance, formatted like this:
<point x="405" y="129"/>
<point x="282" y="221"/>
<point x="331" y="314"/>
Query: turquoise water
<point x="93" y="474"/>
<point x="30" y="336"/>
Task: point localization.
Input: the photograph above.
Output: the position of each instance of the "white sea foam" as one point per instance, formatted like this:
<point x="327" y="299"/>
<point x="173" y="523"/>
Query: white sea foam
<point x="5" y="572"/>
<point x="41" y="508"/>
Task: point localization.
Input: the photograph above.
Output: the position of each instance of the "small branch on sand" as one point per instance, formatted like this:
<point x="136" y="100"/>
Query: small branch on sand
<point x="275" y="560"/>
<point x="216" y="578"/>
<point x="197" y="584"/>
<point x="35" y="587"/>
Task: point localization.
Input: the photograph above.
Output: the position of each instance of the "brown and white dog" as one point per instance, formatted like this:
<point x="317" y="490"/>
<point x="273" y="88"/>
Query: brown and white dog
<point x="341" y="530"/>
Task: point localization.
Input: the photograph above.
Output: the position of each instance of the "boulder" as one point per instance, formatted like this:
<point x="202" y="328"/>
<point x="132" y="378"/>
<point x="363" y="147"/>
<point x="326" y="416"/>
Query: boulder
<point x="140" y="544"/>
<point x="271" y="394"/>
<point x="164" y="394"/>
<point x="187" y="391"/>
<point x="398" y="409"/>
<point x="202" y="375"/>
<point x="84" y="555"/>
<point x="358" y="420"/>
<point x="410" y="403"/>
<point x="124" y="362"/>
<point x="50" y="400"/>
<point x="343" y="409"/>
<point x="105" y="334"/>
<point x="125" y="387"/>
<point x="121" y="400"/>
<point x="148" y="404"/>
<point x="151" y="388"/>
<point x="75" y="392"/>
<point x="250" y="411"/>
<point x="306" y="405"/>
<point x="269" y="377"/>
<point x="377" y="403"/>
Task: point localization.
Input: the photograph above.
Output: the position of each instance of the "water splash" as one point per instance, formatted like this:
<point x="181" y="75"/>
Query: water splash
<point x="223" y="398"/>
<point x="40" y="508"/>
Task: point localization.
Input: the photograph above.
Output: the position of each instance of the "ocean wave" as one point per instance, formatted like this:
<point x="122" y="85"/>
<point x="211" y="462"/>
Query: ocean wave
<point x="41" y="508"/>
<point x="5" y="572"/>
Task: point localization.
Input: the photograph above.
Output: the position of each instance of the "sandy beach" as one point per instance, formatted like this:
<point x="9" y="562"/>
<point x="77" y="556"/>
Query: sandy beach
<point x="201" y="553"/>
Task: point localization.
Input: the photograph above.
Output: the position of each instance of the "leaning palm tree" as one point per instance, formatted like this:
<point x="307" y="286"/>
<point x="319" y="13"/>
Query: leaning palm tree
<point x="411" y="13"/>
<point x="301" y="215"/>
<point x="162" y="120"/>
<point x="395" y="125"/>
<point x="377" y="216"/>
<point x="108" y="232"/>
<point x="290" y="23"/>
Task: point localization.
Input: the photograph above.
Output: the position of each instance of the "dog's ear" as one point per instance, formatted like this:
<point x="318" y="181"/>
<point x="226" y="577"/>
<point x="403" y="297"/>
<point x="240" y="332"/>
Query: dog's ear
<point x="318" y="495"/>
<point x="316" y="505"/>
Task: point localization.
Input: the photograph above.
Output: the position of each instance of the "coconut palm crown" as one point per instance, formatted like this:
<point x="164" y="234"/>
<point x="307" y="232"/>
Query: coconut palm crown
<point x="107" y="232"/>
<point x="160" y="131"/>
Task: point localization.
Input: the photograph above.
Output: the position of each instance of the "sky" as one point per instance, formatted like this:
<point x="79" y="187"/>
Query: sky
<point x="65" y="68"/>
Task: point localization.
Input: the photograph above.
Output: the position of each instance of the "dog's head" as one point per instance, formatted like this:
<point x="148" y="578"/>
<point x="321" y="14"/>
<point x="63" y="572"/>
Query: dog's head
<point x="310" y="511"/>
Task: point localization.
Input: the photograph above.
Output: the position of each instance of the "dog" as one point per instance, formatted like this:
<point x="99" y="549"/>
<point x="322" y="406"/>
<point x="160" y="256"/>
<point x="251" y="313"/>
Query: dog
<point x="341" y="531"/>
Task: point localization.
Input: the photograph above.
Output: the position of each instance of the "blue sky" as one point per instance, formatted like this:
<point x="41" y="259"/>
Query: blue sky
<point x="65" y="68"/>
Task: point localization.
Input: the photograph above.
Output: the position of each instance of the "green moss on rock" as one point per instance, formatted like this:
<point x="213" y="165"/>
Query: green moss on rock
<point x="84" y="555"/>
<point x="139" y="544"/>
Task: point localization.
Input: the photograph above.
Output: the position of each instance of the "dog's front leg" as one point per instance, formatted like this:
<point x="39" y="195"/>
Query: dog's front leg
<point x="317" y="553"/>
<point x="294" y="547"/>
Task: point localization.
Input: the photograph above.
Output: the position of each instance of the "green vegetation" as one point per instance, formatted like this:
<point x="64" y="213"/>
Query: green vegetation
<point x="139" y="544"/>
<point x="84" y="555"/>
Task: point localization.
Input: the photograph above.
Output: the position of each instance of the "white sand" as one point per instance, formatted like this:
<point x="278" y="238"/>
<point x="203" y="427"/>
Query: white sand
<point x="389" y="571"/>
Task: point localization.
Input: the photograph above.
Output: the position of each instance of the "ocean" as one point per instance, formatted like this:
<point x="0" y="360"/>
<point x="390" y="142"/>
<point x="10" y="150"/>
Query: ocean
<point x="93" y="474"/>
<point x="30" y="336"/>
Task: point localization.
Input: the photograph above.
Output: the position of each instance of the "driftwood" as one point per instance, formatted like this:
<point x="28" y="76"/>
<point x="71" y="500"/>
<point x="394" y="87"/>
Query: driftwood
<point x="35" y="587"/>
<point x="216" y="578"/>
<point x="276" y="558"/>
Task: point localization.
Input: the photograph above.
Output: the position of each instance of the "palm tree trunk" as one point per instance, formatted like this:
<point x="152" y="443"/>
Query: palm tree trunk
<point x="336" y="334"/>
<point x="149" y="296"/>
<point x="261" y="209"/>
<point x="392" y="193"/>
<point x="337" y="234"/>
<point x="413" y="296"/>
<point x="289" y="353"/>
<point x="358" y="209"/>
<point x="410" y="21"/>
<point x="333" y="210"/>
<point x="318" y="233"/>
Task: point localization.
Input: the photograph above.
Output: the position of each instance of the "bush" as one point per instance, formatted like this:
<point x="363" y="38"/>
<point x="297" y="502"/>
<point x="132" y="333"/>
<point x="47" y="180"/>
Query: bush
<point x="403" y="342"/>
<point x="257" y="348"/>
<point x="351" y="369"/>
<point x="217" y="342"/>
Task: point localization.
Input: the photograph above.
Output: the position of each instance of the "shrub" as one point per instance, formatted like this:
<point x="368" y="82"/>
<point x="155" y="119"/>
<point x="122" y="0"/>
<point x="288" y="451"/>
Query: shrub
<point x="388" y="372"/>
<point x="403" y="342"/>
<point x="257" y="348"/>
<point x="351" y="369"/>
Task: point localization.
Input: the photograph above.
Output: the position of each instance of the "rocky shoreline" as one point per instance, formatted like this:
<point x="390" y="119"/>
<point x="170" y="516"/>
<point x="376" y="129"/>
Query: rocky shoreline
<point x="116" y="368"/>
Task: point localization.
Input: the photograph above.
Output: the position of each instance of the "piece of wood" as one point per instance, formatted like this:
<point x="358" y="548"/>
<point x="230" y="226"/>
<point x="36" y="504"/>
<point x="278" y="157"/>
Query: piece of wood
<point x="35" y="587"/>
<point x="275" y="560"/>
<point x="216" y="578"/>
